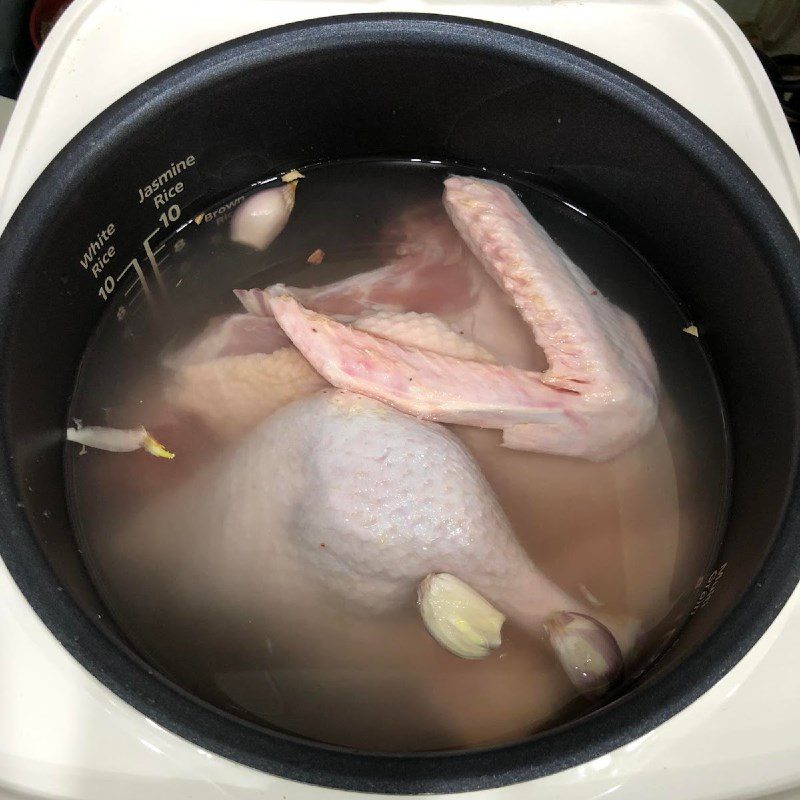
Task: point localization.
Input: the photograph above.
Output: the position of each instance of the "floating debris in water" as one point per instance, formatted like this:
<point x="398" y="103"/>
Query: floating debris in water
<point x="316" y="257"/>
<point x="589" y="596"/>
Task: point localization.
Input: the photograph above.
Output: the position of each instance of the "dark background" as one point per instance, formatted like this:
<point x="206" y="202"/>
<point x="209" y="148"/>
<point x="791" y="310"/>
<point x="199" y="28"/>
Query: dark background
<point x="16" y="48"/>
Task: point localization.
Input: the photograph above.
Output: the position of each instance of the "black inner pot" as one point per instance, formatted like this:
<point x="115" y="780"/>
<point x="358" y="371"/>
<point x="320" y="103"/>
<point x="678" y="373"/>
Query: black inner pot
<point x="409" y="87"/>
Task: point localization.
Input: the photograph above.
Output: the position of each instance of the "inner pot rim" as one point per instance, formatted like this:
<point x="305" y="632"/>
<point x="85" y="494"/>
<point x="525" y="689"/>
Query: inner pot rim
<point x="577" y="742"/>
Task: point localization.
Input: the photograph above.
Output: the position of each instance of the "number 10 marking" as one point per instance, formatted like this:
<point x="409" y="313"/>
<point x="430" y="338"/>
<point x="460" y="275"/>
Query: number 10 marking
<point x="170" y="215"/>
<point x="108" y="286"/>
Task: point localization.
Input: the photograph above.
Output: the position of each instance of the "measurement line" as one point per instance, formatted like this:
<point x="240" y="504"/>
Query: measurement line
<point x="140" y="275"/>
<point x="157" y="272"/>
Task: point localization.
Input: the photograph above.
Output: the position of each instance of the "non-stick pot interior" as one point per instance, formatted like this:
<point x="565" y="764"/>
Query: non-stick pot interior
<point x="428" y="88"/>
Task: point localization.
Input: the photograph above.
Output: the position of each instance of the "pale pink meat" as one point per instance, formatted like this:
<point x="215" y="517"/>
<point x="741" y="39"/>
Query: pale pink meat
<point x="433" y="272"/>
<point x="339" y="492"/>
<point x="230" y="335"/>
<point x="426" y="331"/>
<point x="221" y="568"/>
<point x="588" y="341"/>
<point x="232" y="394"/>
<point x="430" y="273"/>
<point x="597" y="398"/>
<point x="443" y="334"/>
<point x="236" y="372"/>
<point x="241" y="368"/>
<point x="422" y="383"/>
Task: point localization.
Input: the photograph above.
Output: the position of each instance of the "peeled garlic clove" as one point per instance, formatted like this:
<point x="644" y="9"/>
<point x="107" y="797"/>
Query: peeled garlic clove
<point x="458" y="617"/>
<point x="259" y="219"/>
<point x="586" y="649"/>
<point x="117" y="440"/>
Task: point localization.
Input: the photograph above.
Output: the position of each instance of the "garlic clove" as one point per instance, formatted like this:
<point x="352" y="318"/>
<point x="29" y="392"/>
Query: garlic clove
<point x="259" y="219"/>
<point x="458" y="617"/>
<point x="151" y="445"/>
<point x="117" y="440"/>
<point x="586" y="649"/>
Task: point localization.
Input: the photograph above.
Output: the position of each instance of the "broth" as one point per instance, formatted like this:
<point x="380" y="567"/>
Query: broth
<point x="633" y="536"/>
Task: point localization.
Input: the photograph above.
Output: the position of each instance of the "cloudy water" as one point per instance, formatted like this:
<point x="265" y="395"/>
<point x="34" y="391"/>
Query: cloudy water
<point x="205" y="561"/>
